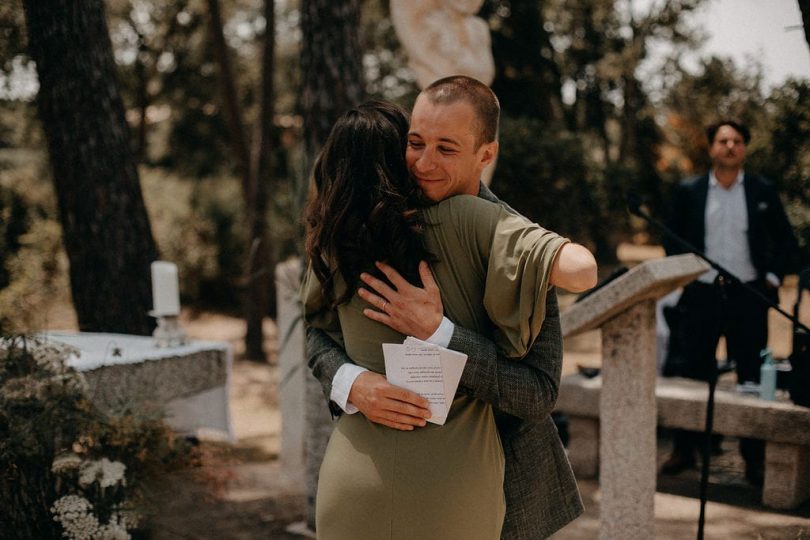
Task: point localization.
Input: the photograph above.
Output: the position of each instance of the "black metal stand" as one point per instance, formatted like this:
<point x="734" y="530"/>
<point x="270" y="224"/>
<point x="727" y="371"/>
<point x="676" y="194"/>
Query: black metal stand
<point x="707" y="455"/>
<point x="634" y="207"/>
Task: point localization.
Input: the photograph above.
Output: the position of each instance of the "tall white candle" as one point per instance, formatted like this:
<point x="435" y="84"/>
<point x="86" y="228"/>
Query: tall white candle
<point x="165" y="289"/>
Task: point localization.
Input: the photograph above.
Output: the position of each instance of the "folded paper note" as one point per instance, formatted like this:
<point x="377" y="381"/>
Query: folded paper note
<point x="429" y="370"/>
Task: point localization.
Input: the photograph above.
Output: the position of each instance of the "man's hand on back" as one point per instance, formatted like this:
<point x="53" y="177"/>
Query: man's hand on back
<point x="409" y="310"/>
<point x="386" y="404"/>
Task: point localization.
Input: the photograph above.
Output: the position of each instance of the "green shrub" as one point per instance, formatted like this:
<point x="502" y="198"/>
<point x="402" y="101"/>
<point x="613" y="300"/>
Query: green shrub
<point x="66" y="468"/>
<point x="798" y="213"/>
<point x="545" y="175"/>
<point x="33" y="265"/>
<point x="199" y="225"/>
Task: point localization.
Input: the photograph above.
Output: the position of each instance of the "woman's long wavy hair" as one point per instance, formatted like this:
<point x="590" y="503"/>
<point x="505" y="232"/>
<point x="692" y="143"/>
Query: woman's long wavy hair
<point x="363" y="205"/>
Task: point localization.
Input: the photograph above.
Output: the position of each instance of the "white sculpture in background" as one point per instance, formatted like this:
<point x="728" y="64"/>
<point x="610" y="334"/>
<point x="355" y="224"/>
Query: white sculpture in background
<point x="444" y="37"/>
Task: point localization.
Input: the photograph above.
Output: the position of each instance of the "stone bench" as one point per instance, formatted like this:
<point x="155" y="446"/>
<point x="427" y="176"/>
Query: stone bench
<point x="681" y="403"/>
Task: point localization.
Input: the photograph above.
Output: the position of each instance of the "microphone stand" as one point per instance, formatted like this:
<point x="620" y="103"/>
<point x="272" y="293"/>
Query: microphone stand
<point x="725" y="278"/>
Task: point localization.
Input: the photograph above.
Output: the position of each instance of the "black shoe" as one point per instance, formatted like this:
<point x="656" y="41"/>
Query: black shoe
<point x="726" y="366"/>
<point x="677" y="463"/>
<point x="717" y="445"/>
<point x="755" y="473"/>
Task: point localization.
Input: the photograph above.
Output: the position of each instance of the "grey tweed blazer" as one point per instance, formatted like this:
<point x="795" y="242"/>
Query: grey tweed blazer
<point x="539" y="486"/>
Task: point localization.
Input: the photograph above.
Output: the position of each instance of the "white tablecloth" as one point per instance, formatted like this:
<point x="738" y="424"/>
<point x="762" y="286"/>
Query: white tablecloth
<point x="190" y="383"/>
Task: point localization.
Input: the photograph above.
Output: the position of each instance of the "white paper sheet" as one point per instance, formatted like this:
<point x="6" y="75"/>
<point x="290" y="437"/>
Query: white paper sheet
<point x="429" y="370"/>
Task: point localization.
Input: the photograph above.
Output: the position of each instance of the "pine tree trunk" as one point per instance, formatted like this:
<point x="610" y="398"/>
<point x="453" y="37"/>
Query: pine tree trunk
<point x="143" y="102"/>
<point x="230" y="98"/>
<point x="331" y="66"/>
<point x="804" y="7"/>
<point x="332" y="81"/>
<point x="260" y="264"/>
<point x="106" y="229"/>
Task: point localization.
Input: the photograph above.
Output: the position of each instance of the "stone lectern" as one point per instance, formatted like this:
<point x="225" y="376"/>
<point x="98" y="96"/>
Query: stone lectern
<point x="625" y="311"/>
<point x="292" y="365"/>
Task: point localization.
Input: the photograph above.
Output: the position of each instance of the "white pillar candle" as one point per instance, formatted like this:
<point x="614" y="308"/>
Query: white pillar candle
<point x="165" y="289"/>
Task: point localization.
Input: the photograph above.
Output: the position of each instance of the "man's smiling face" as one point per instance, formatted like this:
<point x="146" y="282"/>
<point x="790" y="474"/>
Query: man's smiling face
<point x="444" y="155"/>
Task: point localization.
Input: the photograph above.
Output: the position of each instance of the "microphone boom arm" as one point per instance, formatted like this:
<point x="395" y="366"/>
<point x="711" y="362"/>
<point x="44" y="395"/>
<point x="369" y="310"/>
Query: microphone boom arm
<point x="634" y="207"/>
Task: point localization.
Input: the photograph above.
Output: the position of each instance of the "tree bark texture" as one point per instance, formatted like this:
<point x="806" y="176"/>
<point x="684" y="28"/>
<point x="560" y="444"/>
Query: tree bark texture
<point x="230" y="97"/>
<point x="332" y="82"/>
<point x="106" y="229"/>
<point x="331" y="66"/>
<point x="524" y="64"/>
<point x="27" y="492"/>
<point x="804" y="7"/>
<point x="259" y="265"/>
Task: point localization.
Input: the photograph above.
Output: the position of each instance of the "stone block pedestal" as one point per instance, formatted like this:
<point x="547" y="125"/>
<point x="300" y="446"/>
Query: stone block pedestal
<point x="293" y="369"/>
<point x="787" y="475"/>
<point x="625" y="311"/>
<point x="584" y="454"/>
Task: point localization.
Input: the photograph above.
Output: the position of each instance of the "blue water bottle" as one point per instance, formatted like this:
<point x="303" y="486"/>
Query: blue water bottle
<point x="767" y="376"/>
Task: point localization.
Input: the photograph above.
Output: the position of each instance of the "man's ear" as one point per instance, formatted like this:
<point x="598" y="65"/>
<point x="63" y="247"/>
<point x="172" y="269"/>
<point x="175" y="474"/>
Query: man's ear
<point x="487" y="153"/>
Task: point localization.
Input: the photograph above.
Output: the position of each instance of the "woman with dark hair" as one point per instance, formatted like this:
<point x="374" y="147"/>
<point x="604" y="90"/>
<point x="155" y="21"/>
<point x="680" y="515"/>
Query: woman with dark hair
<point x="492" y="267"/>
<point x="364" y="204"/>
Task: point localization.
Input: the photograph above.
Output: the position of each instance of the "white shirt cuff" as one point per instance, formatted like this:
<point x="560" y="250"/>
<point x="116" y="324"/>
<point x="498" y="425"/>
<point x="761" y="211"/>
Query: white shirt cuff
<point x="772" y="278"/>
<point x="443" y="333"/>
<point x="342" y="385"/>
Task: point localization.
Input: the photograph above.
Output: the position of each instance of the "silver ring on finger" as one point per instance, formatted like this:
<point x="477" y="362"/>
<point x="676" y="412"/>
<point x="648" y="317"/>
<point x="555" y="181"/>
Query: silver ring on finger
<point x="385" y="303"/>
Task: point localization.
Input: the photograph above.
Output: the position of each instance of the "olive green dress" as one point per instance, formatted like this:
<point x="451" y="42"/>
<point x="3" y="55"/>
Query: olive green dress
<point x="443" y="482"/>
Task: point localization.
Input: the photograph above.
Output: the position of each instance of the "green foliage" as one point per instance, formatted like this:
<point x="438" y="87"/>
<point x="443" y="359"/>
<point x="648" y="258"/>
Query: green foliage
<point x="12" y="32"/>
<point x="798" y="212"/>
<point x="41" y="411"/>
<point x="33" y="266"/>
<point x="166" y="66"/>
<point x="169" y="75"/>
<point x="59" y="454"/>
<point x="784" y="155"/>
<point x="384" y="61"/>
<point x="573" y="67"/>
<point x="717" y="90"/>
<point x="580" y="130"/>
<point x="787" y="159"/>
<point x="524" y="60"/>
<point x="546" y="175"/>
<point x="779" y="123"/>
<point x="198" y="224"/>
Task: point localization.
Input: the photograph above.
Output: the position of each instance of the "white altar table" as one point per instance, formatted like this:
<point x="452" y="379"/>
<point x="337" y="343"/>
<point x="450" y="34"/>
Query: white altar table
<point x="188" y="383"/>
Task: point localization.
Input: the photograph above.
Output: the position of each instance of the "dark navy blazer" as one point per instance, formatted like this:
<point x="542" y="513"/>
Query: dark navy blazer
<point x="770" y="236"/>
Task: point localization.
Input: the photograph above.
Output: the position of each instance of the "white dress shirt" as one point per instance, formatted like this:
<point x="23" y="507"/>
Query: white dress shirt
<point x="347" y="373"/>
<point x="726" y="220"/>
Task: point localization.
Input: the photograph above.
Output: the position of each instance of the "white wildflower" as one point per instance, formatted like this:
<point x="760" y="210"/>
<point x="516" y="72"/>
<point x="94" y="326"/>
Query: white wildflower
<point x="71" y="504"/>
<point x="112" y="531"/>
<point x="51" y="354"/>
<point x="128" y="519"/>
<point x="73" y="381"/>
<point x="107" y="473"/>
<point x="75" y="515"/>
<point x="65" y="462"/>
